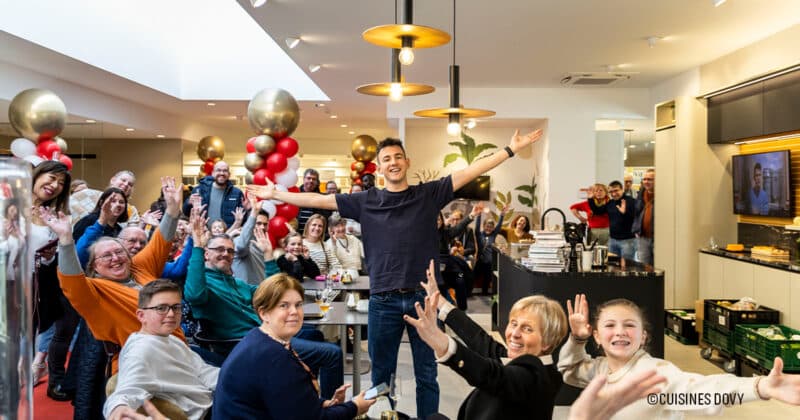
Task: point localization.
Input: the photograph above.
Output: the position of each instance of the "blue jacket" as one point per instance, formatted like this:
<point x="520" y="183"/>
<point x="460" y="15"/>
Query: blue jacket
<point x="231" y="198"/>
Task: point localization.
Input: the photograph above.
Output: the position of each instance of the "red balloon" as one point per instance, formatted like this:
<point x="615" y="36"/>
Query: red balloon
<point x="357" y="181"/>
<point x="66" y="161"/>
<point x="294" y="189"/>
<point x="46" y="148"/>
<point x="287" y="211"/>
<point x="251" y="147"/>
<point x="208" y="167"/>
<point x="260" y="176"/>
<point x="277" y="227"/>
<point x="370" y="168"/>
<point x="287" y="146"/>
<point x="276" y="162"/>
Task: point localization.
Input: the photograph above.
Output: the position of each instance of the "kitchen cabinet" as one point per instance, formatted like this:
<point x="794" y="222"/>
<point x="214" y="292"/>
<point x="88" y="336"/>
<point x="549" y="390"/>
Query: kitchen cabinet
<point x="782" y="103"/>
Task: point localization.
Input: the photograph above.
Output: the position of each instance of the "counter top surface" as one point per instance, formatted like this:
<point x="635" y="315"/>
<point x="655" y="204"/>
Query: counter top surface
<point x="779" y="263"/>
<point x="619" y="268"/>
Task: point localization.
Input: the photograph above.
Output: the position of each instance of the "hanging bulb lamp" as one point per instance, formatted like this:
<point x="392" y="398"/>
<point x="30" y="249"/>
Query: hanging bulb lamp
<point x="406" y="36"/>
<point x="397" y="88"/>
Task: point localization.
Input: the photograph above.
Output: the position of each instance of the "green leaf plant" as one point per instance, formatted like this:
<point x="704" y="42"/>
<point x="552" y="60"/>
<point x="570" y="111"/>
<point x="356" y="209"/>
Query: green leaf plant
<point x="469" y="151"/>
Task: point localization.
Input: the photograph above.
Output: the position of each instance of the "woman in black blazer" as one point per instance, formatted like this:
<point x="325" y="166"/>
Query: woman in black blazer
<point x="525" y="387"/>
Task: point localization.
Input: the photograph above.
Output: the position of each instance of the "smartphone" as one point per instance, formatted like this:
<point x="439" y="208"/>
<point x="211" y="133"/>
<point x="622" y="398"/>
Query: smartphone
<point x="376" y="392"/>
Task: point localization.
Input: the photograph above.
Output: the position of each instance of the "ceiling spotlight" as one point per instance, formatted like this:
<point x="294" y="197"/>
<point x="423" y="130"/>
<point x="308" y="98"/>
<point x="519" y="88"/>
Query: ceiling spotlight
<point x="211" y="104"/>
<point x="258" y="3"/>
<point x="91" y="121"/>
<point x="651" y="41"/>
<point x="313" y="68"/>
<point x="652" y="142"/>
<point x="351" y="132"/>
<point x="161" y="136"/>
<point x="292" y="42"/>
<point x="343" y="125"/>
<point x="633" y="146"/>
<point x="333" y="117"/>
<point x="129" y="129"/>
<point x="319" y="105"/>
<point x="718" y="3"/>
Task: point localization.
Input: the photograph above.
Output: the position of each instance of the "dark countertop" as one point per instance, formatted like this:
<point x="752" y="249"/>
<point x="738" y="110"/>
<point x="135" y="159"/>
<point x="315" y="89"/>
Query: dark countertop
<point x="620" y="268"/>
<point x="786" y="264"/>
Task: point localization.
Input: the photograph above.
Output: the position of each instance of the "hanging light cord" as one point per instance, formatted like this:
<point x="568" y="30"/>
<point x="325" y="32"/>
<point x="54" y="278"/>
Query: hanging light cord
<point x="454" y="32"/>
<point x="395" y="12"/>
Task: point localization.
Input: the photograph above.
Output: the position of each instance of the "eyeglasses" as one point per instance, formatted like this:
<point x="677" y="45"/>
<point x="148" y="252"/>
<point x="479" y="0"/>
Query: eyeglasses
<point x="164" y="309"/>
<point x="121" y="253"/>
<point x="223" y="250"/>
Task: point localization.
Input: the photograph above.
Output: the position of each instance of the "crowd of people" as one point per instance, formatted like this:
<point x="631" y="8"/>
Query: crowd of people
<point x="616" y="216"/>
<point x="188" y="310"/>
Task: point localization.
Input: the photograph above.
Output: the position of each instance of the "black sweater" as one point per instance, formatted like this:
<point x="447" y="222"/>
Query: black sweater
<point x="619" y="224"/>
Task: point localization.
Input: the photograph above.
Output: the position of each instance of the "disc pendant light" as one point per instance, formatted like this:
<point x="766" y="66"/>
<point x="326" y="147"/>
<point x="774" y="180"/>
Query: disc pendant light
<point x="406" y="36"/>
<point x="455" y="113"/>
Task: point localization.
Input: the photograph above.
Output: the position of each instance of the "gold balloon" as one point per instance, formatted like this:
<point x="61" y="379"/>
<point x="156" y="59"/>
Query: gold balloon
<point x="364" y="148"/>
<point x="210" y="147"/>
<point x="273" y="112"/>
<point x="264" y="145"/>
<point x="252" y="161"/>
<point x="37" y="112"/>
<point x="62" y="144"/>
<point x="354" y="175"/>
<point x="248" y="178"/>
<point x="359" y="166"/>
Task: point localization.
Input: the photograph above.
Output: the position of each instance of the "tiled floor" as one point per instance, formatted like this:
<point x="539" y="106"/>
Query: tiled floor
<point x="454" y="389"/>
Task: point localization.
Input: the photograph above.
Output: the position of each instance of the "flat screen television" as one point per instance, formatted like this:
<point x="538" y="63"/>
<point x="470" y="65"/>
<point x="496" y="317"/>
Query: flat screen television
<point x="762" y="184"/>
<point x="477" y="189"/>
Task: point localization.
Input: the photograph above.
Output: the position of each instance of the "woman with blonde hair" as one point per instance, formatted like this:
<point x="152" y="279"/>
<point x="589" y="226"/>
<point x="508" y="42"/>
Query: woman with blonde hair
<point x="313" y="239"/>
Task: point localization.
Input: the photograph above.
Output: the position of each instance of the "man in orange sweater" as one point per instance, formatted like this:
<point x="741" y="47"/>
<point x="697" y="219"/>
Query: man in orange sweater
<point x="108" y="299"/>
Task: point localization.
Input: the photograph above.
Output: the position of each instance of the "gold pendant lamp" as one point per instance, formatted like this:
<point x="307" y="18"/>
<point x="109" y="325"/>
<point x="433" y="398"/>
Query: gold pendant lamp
<point x="455" y="113"/>
<point x="406" y="36"/>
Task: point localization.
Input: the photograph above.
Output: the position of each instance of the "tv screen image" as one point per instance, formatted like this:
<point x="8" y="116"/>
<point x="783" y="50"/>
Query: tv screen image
<point x="477" y="189"/>
<point x="762" y="184"/>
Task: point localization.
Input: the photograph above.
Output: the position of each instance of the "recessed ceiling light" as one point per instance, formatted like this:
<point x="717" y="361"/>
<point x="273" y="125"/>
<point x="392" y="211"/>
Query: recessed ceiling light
<point x="351" y="132"/>
<point x="651" y="40"/>
<point x="718" y="3"/>
<point x="313" y="68"/>
<point x="258" y="3"/>
<point x="129" y="129"/>
<point x="211" y="104"/>
<point x="633" y="146"/>
<point x="292" y="42"/>
<point x="652" y="142"/>
<point x="91" y="121"/>
<point x="343" y="125"/>
<point x="334" y="116"/>
<point x="161" y="136"/>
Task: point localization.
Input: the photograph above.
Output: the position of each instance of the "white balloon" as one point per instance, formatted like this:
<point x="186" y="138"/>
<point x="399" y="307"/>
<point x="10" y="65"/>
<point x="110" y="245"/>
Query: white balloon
<point x="279" y="187"/>
<point x="23" y="148"/>
<point x="293" y="163"/>
<point x="34" y="160"/>
<point x="287" y="178"/>
<point x="268" y="207"/>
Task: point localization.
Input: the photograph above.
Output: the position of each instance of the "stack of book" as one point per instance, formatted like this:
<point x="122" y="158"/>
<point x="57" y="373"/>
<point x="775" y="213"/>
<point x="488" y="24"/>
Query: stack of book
<point x="546" y="252"/>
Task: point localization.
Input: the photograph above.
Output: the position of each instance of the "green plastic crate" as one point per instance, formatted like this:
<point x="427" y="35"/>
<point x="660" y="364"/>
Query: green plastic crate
<point x="762" y="350"/>
<point x="721" y="340"/>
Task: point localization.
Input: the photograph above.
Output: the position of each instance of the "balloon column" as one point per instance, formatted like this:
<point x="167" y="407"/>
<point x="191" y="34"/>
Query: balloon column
<point x="39" y="116"/>
<point x="210" y="149"/>
<point x="364" y="149"/>
<point x="271" y="154"/>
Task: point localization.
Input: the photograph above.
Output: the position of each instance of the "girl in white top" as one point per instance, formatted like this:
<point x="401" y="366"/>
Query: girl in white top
<point x="313" y="235"/>
<point x="619" y="331"/>
<point x="348" y="249"/>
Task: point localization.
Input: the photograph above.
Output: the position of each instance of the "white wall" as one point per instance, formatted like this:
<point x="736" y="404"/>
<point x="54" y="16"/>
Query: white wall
<point x="609" y="155"/>
<point x="571" y="115"/>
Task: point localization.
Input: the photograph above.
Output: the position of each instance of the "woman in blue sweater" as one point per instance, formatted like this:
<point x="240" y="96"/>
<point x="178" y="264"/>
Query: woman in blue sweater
<point x="282" y="387"/>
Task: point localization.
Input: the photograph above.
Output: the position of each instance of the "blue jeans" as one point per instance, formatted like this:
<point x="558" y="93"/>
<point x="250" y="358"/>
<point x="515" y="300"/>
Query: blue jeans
<point x="644" y="250"/>
<point x="385" y="329"/>
<point x="625" y="248"/>
<point x="325" y="358"/>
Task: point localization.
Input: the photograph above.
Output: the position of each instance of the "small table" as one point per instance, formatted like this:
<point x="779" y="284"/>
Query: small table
<point x="341" y="316"/>
<point x="360" y="284"/>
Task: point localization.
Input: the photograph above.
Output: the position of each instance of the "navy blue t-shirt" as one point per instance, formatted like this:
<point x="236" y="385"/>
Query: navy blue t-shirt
<point x="398" y="230"/>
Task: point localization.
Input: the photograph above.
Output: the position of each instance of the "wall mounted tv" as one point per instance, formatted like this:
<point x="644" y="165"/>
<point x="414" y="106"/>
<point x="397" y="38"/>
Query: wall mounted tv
<point x="477" y="189"/>
<point x="762" y="184"/>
